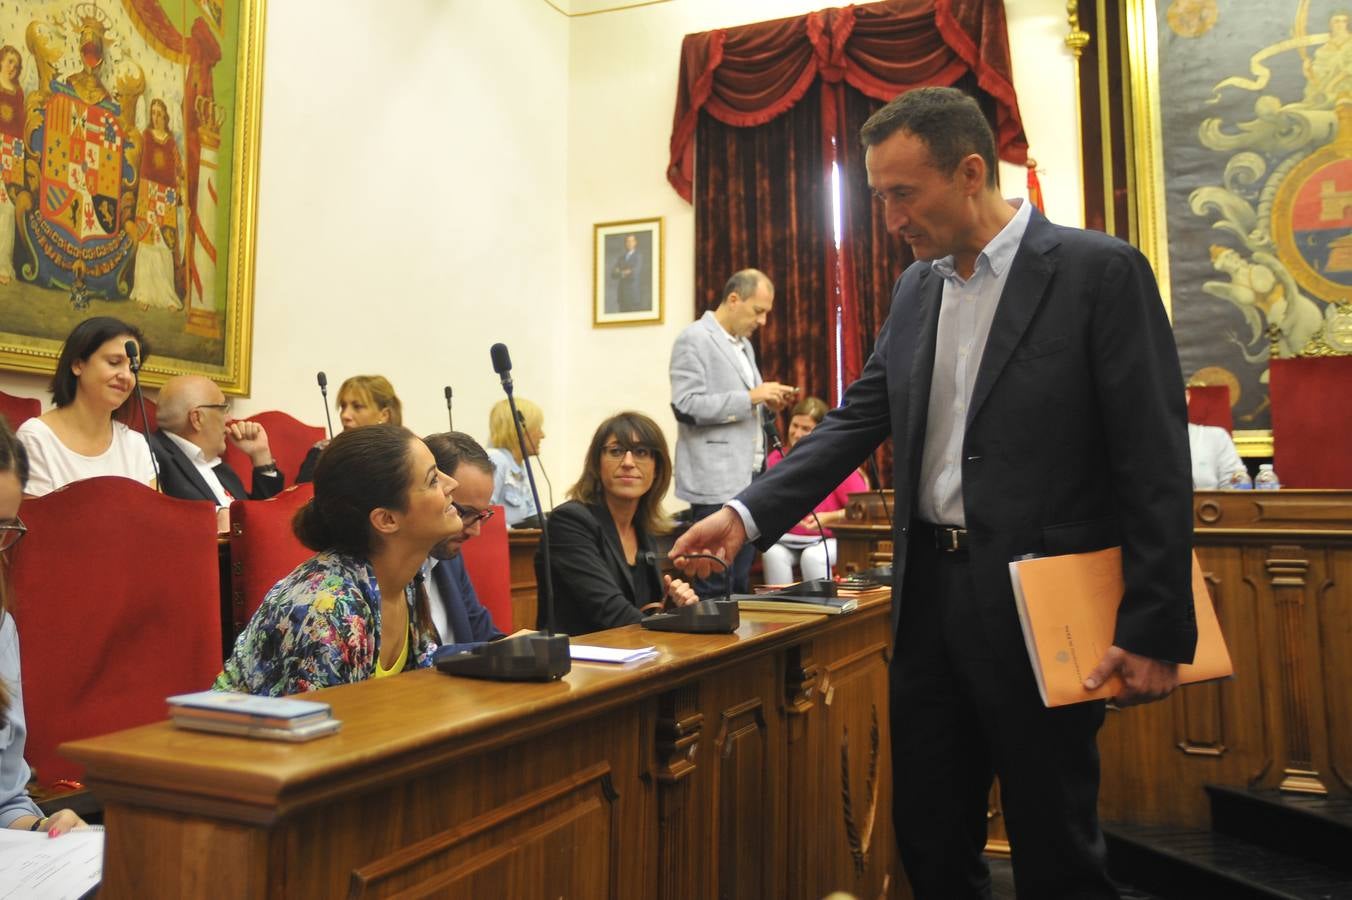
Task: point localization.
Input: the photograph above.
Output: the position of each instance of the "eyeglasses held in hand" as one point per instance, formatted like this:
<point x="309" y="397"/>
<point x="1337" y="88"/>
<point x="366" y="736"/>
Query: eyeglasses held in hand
<point x="11" y="532"/>
<point x="616" y="452"/>
<point x="469" y="515"/>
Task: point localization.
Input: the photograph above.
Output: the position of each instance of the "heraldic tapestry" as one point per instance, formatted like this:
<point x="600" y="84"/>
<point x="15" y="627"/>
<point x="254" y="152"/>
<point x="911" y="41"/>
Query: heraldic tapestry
<point x="1243" y="114"/>
<point x="128" y="150"/>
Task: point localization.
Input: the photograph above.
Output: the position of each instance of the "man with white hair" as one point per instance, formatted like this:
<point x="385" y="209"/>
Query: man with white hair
<point x="194" y="425"/>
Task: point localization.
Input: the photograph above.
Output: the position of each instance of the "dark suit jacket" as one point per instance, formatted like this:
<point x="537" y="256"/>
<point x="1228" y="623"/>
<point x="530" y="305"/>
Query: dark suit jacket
<point x="466" y="616"/>
<point x="1076" y="435"/>
<point x="593" y="585"/>
<point x="180" y="478"/>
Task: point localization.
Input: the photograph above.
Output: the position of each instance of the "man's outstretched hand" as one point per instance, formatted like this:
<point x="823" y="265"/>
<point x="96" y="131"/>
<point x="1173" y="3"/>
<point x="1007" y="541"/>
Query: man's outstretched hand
<point x="721" y="535"/>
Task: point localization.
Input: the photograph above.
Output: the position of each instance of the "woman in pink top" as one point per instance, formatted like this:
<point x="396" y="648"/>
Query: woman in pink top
<point x="804" y="545"/>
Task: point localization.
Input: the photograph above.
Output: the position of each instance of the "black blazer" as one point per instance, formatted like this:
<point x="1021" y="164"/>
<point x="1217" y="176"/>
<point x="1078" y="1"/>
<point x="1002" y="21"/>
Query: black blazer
<point x="180" y="478"/>
<point x="593" y="585"/>
<point x="1076" y="435"/>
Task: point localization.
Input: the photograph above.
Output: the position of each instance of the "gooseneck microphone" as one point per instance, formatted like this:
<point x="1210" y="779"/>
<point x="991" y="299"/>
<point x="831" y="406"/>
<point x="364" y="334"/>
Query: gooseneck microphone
<point x="705" y="617"/>
<point x="543" y="656"/>
<point x="134" y="360"/>
<point x="450" y="420"/>
<point x="324" y="392"/>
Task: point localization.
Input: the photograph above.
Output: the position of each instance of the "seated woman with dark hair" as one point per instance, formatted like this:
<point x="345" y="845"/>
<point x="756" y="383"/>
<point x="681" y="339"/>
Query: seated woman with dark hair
<point x="601" y="541"/>
<point x="362" y="400"/>
<point x="17" y="809"/>
<point x="809" y="544"/>
<point x="353" y="611"/>
<point x="79" y="438"/>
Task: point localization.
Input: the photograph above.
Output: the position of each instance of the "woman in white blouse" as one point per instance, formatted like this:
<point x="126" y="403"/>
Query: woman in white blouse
<point x="79" y="438"/>
<point x="511" y="488"/>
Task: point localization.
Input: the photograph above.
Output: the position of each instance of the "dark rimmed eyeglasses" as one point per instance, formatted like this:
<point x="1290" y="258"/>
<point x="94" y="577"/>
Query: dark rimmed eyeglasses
<point x="469" y="515"/>
<point x="616" y="452"/>
<point x="11" y="532"/>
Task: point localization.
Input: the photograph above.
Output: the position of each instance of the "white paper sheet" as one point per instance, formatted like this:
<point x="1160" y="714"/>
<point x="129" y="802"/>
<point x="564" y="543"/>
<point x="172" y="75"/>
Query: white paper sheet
<point x="585" y="653"/>
<point x="34" y="866"/>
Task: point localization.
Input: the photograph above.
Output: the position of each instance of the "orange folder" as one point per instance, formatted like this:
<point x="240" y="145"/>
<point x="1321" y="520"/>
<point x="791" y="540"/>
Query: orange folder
<point x="1068" y="610"/>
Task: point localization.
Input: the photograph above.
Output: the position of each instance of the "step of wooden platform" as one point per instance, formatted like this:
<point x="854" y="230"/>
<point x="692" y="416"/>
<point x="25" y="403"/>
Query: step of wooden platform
<point x="1193" y="863"/>
<point x="1311" y="827"/>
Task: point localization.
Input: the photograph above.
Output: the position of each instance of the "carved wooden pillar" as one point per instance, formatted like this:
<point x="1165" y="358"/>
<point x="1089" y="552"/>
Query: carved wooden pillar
<point x="680" y="725"/>
<point x="1287" y="567"/>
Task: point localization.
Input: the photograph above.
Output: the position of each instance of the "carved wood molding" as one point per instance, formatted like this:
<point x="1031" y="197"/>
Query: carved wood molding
<point x="680" y="725"/>
<point x="1287" y="569"/>
<point x="859" y="833"/>
<point x="800" y="680"/>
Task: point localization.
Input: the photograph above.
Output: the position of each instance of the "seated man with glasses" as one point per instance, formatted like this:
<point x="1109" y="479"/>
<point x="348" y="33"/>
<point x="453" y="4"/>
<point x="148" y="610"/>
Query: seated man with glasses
<point x="458" y="615"/>
<point x="194" y="424"/>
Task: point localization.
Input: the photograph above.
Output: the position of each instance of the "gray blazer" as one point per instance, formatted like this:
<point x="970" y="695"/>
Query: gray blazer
<point x="716" y="422"/>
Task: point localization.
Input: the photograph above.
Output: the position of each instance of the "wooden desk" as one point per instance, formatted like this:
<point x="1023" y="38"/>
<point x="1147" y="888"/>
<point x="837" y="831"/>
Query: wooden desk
<point x="746" y="765"/>
<point x="1279" y="564"/>
<point x="521" y="546"/>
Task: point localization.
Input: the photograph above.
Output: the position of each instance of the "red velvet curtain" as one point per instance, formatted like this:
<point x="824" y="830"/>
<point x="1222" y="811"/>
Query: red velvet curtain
<point x="762" y="201"/>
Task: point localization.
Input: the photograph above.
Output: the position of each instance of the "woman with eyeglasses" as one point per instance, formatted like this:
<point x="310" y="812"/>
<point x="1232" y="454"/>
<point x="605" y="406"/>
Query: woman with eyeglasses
<point x="601" y="547"/>
<point x="809" y="544"/>
<point x="511" y="489"/>
<point x="80" y="438"/>
<point x="17" y="809"/>
<point x="353" y="611"/>
<point x="362" y="400"/>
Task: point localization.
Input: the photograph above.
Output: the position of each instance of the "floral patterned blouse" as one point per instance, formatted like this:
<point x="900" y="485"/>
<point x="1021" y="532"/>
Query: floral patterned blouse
<point x="317" y="627"/>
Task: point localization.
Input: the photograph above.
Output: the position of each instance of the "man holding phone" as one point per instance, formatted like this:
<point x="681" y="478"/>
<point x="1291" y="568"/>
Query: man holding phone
<point x="717" y="394"/>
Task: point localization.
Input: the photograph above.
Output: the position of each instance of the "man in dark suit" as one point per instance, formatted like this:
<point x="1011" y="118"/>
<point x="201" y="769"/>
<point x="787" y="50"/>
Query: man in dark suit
<point x="194" y="425"/>
<point x="629" y="275"/>
<point x="1028" y="376"/>
<point x="456" y="611"/>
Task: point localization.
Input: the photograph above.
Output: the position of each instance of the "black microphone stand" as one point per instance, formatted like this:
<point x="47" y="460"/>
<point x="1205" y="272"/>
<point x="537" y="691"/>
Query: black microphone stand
<point x="543" y="656"/>
<point x="705" y="617"/>
<point x="450" y="420"/>
<point x="324" y="392"/>
<point x="135" y="362"/>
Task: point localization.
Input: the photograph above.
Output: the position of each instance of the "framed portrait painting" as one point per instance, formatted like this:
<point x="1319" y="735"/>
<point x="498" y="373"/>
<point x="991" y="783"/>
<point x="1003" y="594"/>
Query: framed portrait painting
<point x="1242" y="118"/>
<point x="129" y="153"/>
<point x="627" y="273"/>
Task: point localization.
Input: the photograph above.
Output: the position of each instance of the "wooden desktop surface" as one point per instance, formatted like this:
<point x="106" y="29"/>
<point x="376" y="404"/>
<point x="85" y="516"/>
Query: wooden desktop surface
<point x="753" y="764"/>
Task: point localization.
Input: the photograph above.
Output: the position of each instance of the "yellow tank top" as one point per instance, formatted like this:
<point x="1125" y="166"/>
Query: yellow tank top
<point x="382" y="672"/>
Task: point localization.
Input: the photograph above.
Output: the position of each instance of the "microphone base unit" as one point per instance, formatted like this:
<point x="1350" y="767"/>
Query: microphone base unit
<point x="704" y="617"/>
<point x="529" y="657"/>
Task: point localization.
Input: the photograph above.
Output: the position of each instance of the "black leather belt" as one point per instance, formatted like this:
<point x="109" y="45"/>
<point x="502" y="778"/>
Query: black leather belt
<point x="945" y="538"/>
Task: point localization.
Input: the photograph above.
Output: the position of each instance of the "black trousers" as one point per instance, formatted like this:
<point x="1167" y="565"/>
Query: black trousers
<point x="739" y="567"/>
<point x="965" y="707"/>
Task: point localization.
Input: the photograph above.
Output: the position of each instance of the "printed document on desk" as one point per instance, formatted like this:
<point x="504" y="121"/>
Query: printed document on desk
<point x="34" y="866"/>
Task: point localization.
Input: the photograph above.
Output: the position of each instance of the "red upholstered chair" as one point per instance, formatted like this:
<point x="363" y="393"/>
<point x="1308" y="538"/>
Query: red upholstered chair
<point x="289" y="438"/>
<point x="131" y="415"/>
<point x="1311" y="421"/>
<point x="1209" y="404"/>
<point x="262" y="548"/>
<point x="488" y="562"/>
<point x="117" y="599"/>
<point x="18" y="410"/>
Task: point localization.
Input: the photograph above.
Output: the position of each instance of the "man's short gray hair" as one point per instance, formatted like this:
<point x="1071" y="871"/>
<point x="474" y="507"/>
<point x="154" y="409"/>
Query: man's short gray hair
<point x="745" y="283"/>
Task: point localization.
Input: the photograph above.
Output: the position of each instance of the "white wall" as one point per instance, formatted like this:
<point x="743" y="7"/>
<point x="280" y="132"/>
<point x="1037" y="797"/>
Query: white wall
<point x="431" y="171"/>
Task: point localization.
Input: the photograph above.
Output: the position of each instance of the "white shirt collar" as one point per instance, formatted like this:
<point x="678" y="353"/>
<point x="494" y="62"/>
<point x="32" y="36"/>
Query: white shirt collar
<point x="999" y="253"/>
<point x="194" y="452"/>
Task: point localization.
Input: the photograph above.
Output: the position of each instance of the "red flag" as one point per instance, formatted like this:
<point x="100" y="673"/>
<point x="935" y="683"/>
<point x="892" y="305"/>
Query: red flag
<point x="1035" y="187"/>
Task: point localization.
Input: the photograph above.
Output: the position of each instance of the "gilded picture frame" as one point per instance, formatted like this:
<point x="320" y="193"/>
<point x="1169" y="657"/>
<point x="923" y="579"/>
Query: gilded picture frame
<point x="129" y="136"/>
<point x="627" y="273"/>
<point x="1227" y="178"/>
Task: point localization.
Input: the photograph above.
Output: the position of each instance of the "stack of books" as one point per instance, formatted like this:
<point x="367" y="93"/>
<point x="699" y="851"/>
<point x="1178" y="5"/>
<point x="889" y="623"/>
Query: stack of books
<point x="822" y="597"/>
<point x="271" y="718"/>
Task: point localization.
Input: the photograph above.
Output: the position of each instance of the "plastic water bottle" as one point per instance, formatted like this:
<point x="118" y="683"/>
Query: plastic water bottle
<point x="1267" y="478"/>
<point x="1240" y="481"/>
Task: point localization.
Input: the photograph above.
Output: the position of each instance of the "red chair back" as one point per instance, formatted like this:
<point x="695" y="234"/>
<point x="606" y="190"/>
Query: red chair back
<point x="1209" y="404"/>
<point x="117" y="599"/>
<point x="131" y="415"/>
<point x="488" y="562"/>
<point x="18" y="410"/>
<point x="262" y="548"/>
<point x="289" y="438"/>
<point x="1310" y="426"/>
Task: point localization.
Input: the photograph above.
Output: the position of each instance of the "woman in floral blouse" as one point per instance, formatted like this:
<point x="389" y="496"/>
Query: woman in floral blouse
<point x="352" y="611"/>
